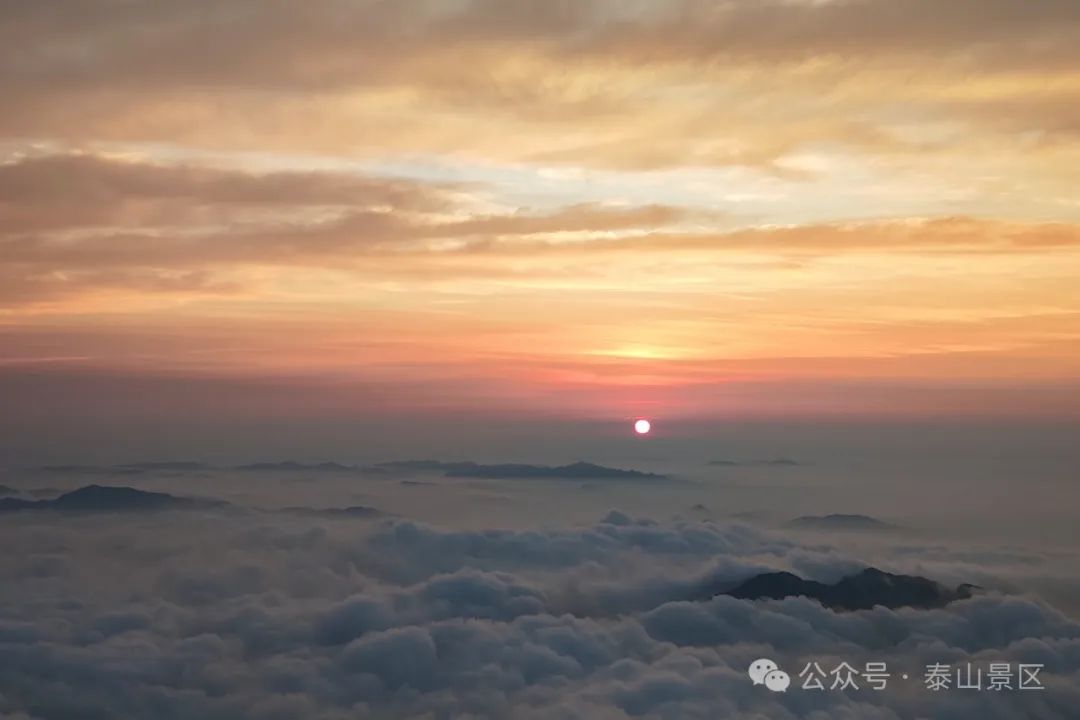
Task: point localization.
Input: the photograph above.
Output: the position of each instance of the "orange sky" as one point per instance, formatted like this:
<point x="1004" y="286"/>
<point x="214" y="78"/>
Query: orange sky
<point x="597" y="209"/>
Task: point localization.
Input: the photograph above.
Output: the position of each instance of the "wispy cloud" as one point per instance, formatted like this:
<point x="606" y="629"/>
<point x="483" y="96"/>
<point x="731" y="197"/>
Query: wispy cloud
<point x="536" y="194"/>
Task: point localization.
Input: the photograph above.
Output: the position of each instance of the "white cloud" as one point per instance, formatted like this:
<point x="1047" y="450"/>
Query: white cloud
<point x="210" y="616"/>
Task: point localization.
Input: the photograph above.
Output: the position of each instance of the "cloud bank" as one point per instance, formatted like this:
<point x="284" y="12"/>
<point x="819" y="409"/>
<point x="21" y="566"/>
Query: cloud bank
<point x="213" y="617"/>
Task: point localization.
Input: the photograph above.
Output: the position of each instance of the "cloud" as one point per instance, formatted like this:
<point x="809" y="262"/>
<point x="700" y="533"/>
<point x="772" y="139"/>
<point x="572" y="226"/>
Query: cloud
<point x="588" y="217"/>
<point x="74" y="224"/>
<point x="402" y="657"/>
<point x="488" y="72"/>
<point x="84" y="190"/>
<point x="647" y="34"/>
<point x="770" y="190"/>
<point x="80" y="227"/>
<point x="243" y="619"/>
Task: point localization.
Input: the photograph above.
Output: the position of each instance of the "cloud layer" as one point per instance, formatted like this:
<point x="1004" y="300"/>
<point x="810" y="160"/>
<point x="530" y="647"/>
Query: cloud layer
<point x="588" y="208"/>
<point x="207" y="616"/>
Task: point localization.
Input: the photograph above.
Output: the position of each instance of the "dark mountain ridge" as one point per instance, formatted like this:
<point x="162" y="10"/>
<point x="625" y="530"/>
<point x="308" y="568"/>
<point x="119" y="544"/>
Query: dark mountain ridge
<point x="101" y="498"/>
<point x="574" y="471"/>
<point x="838" y="521"/>
<point x="861" y="591"/>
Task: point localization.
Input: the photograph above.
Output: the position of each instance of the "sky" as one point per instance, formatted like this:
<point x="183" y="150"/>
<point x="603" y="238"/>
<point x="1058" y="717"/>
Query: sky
<point x="567" y="212"/>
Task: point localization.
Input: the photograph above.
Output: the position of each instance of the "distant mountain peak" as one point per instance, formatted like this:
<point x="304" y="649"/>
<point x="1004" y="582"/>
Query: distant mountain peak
<point x="863" y="590"/>
<point x="771" y="462"/>
<point x="352" y="511"/>
<point x="104" y="498"/>
<point x="578" y="470"/>
<point x="839" y="521"/>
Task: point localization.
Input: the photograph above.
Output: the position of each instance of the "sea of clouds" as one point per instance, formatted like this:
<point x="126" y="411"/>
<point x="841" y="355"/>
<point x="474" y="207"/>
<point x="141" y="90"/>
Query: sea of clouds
<point x="236" y="613"/>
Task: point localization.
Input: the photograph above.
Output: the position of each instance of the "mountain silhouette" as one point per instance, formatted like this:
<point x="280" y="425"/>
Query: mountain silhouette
<point x="352" y="511"/>
<point x="838" y="521"/>
<point x="861" y="591"/>
<point x="574" y="471"/>
<point x="293" y="466"/>
<point x="100" y="498"/>
<point x="773" y="462"/>
<point x="169" y="466"/>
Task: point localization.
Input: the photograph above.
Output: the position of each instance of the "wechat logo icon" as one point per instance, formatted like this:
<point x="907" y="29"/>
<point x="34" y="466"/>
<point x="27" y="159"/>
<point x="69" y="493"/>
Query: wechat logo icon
<point x="766" y="672"/>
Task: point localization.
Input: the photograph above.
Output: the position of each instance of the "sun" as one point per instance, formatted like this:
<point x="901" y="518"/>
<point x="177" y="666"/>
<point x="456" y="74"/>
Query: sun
<point x="642" y="427"/>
